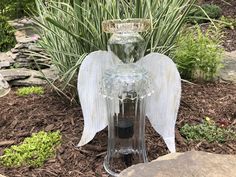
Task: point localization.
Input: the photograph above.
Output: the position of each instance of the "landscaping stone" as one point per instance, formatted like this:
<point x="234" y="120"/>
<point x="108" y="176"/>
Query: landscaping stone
<point x="49" y="73"/>
<point x="4" y="87"/>
<point x="18" y="65"/>
<point x="189" y="164"/>
<point x="19" y="23"/>
<point x="5" y="61"/>
<point x="28" y="77"/>
<point x="14" y="74"/>
<point x="31" y="81"/>
<point x="228" y="73"/>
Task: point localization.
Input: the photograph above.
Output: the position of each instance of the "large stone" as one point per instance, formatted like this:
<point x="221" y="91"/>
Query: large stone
<point x="228" y="73"/>
<point x="25" y="39"/>
<point x="14" y="74"/>
<point x="5" y="60"/>
<point x="49" y="74"/>
<point x="33" y="47"/>
<point x="4" y="87"/>
<point x="4" y="57"/>
<point x="4" y="64"/>
<point x="12" y="55"/>
<point x="31" y="81"/>
<point x="2" y="175"/>
<point x="189" y="164"/>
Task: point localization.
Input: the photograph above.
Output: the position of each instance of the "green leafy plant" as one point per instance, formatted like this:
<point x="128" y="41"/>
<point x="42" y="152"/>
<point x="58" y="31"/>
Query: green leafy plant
<point x="7" y="37"/>
<point x="201" y="14"/>
<point x="199" y="55"/>
<point x="24" y="91"/>
<point x="34" y="151"/>
<point x="207" y="132"/>
<point x="72" y="29"/>
<point x="227" y="22"/>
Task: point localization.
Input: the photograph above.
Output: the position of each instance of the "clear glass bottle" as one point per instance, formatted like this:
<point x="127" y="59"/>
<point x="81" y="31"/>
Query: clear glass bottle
<point x="125" y="87"/>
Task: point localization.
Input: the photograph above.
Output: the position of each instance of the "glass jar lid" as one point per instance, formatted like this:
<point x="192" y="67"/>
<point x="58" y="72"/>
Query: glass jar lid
<point x="126" y="26"/>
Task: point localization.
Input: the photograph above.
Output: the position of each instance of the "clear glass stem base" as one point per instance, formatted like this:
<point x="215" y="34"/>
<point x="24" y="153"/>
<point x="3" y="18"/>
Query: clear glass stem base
<point x="107" y="168"/>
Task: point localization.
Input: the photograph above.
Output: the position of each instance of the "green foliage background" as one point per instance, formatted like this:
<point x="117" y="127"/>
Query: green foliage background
<point x="72" y="28"/>
<point x="16" y="8"/>
<point x="198" y="13"/>
<point x="7" y="37"/>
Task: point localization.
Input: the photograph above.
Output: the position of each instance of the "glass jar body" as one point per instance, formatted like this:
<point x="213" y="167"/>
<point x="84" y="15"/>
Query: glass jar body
<point x="126" y="142"/>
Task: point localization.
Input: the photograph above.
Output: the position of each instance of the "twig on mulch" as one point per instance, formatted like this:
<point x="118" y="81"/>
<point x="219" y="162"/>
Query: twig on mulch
<point x="6" y="143"/>
<point x="189" y="106"/>
<point x="95" y="148"/>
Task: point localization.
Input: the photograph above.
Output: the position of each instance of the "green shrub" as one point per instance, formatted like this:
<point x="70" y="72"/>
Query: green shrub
<point x="198" y="14"/>
<point x="16" y="8"/>
<point x="198" y="55"/>
<point x="7" y="37"/>
<point x="208" y="132"/>
<point x="70" y="32"/>
<point x="34" y="151"/>
<point x="24" y="91"/>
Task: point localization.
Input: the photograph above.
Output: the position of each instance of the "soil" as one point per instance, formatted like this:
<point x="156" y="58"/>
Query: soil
<point x="228" y="10"/>
<point x="22" y="116"/>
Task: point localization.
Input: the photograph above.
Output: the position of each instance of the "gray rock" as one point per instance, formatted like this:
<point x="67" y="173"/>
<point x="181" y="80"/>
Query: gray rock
<point x="31" y="81"/>
<point x="49" y="74"/>
<point x="34" y="48"/>
<point x="4" y="87"/>
<point x="4" y="64"/>
<point x="17" y="25"/>
<point x="189" y="164"/>
<point x="12" y="56"/>
<point x="14" y="50"/>
<point x="24" y="40"/>
<point x="14" y="74"/>
<point x="5" y="57"/>
<point x="5" y="60"/>
<point x="228" y="73"/>
<point x="19" y="46"/>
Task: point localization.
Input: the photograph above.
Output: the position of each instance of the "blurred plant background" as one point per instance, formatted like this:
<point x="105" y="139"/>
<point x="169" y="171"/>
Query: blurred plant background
<point x="72" y="29"/>
<point x="16" y="8"/>
<point x="204" y="13"/>
<point x="7" y="37"/>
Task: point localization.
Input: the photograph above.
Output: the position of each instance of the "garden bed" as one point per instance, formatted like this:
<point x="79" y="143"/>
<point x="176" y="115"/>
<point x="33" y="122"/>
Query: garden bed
<point x="21" y="116"/>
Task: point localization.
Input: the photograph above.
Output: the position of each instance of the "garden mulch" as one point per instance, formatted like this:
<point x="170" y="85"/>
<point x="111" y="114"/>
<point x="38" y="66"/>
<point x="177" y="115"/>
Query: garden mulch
<point x="21" y="116"/>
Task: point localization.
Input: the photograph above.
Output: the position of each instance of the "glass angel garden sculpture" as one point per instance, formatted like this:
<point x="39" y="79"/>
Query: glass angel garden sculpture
<point x="119" y="88"/>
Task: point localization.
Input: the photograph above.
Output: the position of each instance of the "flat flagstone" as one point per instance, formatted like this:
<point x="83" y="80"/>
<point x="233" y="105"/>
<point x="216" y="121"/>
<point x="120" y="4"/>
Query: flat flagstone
<point x="188" y="164"/>
<point x="4" y="86"/>
<point x="31" y="81"/>
<point x="5" y="60"/>
<point x="228" y="72"/>
<point x="14" y="74"/>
